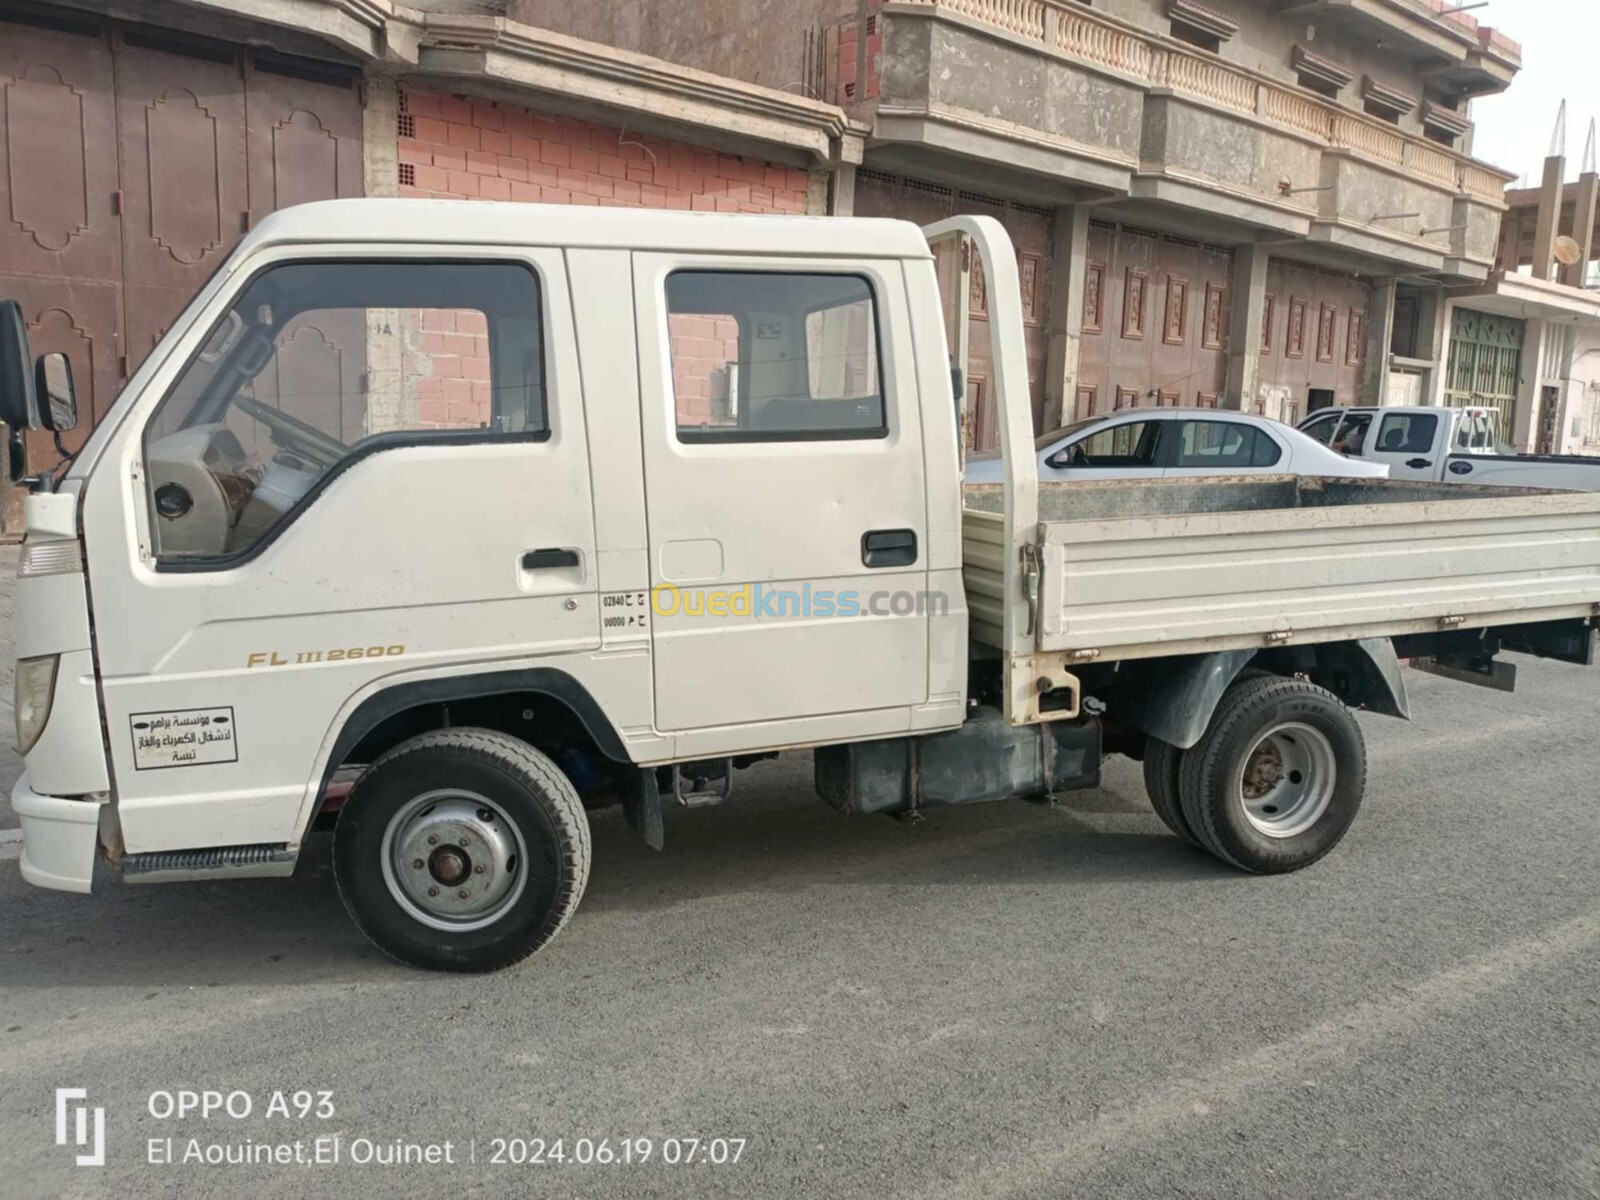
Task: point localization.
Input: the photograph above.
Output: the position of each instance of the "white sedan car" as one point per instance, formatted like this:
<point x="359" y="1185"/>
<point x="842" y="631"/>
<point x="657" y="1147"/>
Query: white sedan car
<point x="1155" y="443"/>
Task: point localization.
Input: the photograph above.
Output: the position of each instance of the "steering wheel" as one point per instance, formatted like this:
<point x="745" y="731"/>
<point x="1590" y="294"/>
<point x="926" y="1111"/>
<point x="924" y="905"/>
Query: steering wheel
<point x="292" y="433"/>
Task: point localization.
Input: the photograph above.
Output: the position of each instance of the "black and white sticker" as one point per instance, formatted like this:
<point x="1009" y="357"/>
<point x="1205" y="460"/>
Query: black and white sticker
<point x="183" y="737"/>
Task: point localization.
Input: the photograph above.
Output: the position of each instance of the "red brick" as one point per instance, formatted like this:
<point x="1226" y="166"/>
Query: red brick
<point x="762" y="196"/>
<point x="463" y="184"/>
<point x="755" y="172"/>
<point x="469" y="320"/>
<point x="455" y="109"/>
<point x="540" y="172"/>
<point x="465" y="136"/>
<point x="434" y="178"/>
<point x="547" y="129"/>
<point x="597" y="185"/>
<point x="413" y="151"/>
<point x="480" y="163"/>
<point x="439" y="320"/>
<point x="475" y="368"/>
<point x="704" y="204"/>
<point x="451" y="158"/>
<point x="582" y="198"/>
<point x="653" y="196"/>
<point x="626" y="190"/>
<point x="667" y="177"/>
<point x="446" y="366"/>
<point x="456" y="390"/>
<point x="513" y="168"/>
<point x="431" y="129"/>
<point x="555" y="154"/>
<point x="525" y="147"/>
<point x="433" y="411"/>
<point x="494" y="141"/>
<point x="681" y="157"/>
<point x="492" y="187"/>
<point x="518" y="120"/>
<point x="613" y="166"/>
<point x="421" y="104"/>
<point x="487" y="116"/>
<point x="524" y="193"/>
<point x="691" y="181"/>
<point x="641" y="172"/>
<point x="552" y="195"/>
<point x="584" y="159"/>
<point x="678" y="200"/>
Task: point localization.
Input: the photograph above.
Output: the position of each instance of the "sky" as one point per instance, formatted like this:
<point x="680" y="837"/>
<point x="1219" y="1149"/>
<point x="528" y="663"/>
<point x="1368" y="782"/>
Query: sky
<point x="1560" y="60"/>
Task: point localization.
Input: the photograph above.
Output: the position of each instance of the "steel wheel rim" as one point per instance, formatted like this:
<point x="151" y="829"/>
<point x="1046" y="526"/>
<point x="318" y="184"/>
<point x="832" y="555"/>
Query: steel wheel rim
<point x="1287" y="780"/>
<point x="453" y="860"/>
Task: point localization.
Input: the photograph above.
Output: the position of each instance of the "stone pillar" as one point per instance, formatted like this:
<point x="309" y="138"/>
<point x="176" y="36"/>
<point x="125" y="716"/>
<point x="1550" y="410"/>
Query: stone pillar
<point x="841" y="194"/>
<point x="1524" y="434"/>
<point x="380" y="145"/>
<point x="1248" y="293"/>
<point x="1380" y="335"/>
<point x="1588" y="208"/>
<point x="390" y="394"/>
<point x="1549" y="226"/>
<point x="1064" y="320"/>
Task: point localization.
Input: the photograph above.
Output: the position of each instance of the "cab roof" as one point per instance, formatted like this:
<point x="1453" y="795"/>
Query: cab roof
<point x="498" y="223"/>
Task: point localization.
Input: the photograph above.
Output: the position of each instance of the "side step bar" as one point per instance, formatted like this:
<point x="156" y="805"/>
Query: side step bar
<point x="218" y="862"/>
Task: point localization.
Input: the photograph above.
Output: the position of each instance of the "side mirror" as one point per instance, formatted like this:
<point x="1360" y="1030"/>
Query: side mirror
<point x="58" y="405"/>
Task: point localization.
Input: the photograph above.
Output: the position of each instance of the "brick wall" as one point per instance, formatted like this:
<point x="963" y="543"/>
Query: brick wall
<point x="452" y="146"/>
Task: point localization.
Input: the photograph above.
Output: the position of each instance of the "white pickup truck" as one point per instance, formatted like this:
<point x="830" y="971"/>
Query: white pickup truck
<point x="1453" y="445"/>
<point x="442" y="523"/>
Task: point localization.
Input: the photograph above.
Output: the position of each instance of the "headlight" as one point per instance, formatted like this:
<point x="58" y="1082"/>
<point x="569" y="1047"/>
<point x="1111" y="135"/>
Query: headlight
<point x="36" y="685"/>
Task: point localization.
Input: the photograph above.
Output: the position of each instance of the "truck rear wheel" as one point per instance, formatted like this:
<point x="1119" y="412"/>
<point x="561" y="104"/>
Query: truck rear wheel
<point x="1278" y="777"/>
<point x="1162" y="761"/>
<point x="462" y="850"/>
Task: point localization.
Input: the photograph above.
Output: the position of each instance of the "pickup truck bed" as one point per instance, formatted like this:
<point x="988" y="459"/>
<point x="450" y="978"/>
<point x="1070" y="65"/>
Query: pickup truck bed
<point x="1136" y="570"/>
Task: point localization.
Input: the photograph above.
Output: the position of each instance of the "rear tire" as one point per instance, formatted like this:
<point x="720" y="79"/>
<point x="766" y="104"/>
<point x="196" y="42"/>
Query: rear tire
<point x="1277" y="779"/>
<point x="1162" y="763"/>
<point x="462" y="850"/>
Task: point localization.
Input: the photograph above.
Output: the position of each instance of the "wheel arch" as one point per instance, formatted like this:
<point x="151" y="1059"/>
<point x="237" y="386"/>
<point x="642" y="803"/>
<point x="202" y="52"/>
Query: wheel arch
<point x="546" y="687"/>
<point x="1174" y="699"/>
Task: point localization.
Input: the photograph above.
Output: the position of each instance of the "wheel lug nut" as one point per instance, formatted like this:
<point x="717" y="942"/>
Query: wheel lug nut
<point x="478" y="870"/>
<point x="433" y="891"/>
<point x="463" y="893"/>
<point x="416" y="864"/>
<point x="433" y="840"/>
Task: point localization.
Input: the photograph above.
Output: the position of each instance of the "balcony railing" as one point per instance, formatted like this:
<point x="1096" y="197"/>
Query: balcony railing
<point x="1077" y="33"/>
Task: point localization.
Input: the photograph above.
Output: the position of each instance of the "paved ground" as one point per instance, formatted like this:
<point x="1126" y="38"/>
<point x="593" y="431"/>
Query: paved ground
<point x="1005" y="1000"/>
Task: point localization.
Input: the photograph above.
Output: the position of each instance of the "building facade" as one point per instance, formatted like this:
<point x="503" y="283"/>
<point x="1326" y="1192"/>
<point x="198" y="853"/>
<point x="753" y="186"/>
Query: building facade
<point x="1263" y="204"/>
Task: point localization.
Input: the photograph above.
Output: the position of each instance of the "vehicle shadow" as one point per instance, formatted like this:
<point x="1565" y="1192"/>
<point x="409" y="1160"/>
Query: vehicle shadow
<point x="778" y="841"/>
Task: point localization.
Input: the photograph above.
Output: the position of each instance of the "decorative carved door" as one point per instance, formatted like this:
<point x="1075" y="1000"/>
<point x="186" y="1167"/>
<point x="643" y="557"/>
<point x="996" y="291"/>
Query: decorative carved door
<point x="134" y="162"/>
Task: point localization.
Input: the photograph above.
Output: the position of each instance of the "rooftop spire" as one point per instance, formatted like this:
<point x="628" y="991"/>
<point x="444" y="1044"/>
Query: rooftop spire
<point x="1589" y="150"/>
<point x="1558" y="141"/>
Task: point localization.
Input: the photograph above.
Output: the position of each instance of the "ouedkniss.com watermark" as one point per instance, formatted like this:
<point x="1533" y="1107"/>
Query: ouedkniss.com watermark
<point x="185" y="1130"/>
<point x="762" y="602"/>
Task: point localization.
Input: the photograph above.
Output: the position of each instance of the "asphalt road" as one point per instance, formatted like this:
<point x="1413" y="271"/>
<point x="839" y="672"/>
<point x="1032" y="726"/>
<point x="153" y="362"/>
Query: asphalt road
<point x="1003" y="1000"/>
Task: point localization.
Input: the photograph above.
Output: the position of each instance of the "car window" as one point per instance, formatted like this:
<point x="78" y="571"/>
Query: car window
<point x="317" y="364"/>
<point x="1352" y="433"/>
<point x="765" y="356"/>
<point x="1131" y="444"/>
<point x="1407" y="433"/>
<point x="1224" y="444"/>
<point x="1322" y="428"/>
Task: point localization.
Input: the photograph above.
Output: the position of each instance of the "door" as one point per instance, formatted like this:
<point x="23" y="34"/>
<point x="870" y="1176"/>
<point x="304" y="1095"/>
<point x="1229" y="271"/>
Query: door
<point x="784" y="486"/>
<point x="1218" y="446"/>
<point x="1411" y="444"/>
<point x="1125" y="449"/>
<point x="294" y="543"/>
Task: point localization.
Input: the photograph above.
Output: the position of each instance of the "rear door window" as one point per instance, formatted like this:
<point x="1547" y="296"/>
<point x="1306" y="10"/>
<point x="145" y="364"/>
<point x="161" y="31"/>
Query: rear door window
<point x="1221" y="445"/>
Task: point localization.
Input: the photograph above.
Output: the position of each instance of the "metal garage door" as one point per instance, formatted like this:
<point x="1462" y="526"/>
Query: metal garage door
<point x="133" y="163"/>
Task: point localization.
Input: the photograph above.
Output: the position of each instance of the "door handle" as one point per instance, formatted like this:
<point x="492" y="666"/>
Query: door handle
<point x="544" y="560"/>
<point x="1418" y="463"/>
<point x="888" y="548"/>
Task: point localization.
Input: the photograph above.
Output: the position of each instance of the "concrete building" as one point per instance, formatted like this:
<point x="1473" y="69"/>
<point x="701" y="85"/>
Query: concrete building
<point x="1220" y="203"/>
<point x="1255" y="203"/>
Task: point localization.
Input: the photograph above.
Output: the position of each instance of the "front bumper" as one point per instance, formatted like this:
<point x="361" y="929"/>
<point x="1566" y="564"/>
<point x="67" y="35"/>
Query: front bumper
<point x="58" y="838"/>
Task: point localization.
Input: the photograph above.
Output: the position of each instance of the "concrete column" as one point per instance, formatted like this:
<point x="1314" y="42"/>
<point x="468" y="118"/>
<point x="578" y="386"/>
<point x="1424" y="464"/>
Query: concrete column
<point x="1549" y="226"/>
<point x="841" y="195"/>
<point x="1064" y="320"/>
<point x="1433" y="318"/>
<point x="1524" y="434"/>
<point x="1588" y="207"/>
<point x="380" y="146"/>
<point x="1380" y="336"/>
<point x="1248" y="292"/>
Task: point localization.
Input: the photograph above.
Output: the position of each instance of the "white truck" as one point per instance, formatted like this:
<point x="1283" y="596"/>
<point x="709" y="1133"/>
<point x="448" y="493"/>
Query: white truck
<point x="443" y="523"/>
<point x="1452" y="445"/>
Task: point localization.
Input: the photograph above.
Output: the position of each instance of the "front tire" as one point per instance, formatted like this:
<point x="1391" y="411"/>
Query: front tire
<point x="1278" y="778"/>
<point x="462" y="850"/>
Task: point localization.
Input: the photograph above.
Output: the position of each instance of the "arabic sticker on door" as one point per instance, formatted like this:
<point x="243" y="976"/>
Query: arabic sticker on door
<point x="183" y="737"/>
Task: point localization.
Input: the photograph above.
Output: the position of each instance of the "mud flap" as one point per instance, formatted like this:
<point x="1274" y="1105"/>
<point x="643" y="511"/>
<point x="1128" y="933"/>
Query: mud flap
<point x="642" y="807"/>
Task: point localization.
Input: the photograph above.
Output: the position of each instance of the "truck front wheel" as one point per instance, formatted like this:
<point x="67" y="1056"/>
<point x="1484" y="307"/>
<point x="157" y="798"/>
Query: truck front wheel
<point x="462" y="850"/>
<point x="1278" y="777"/>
